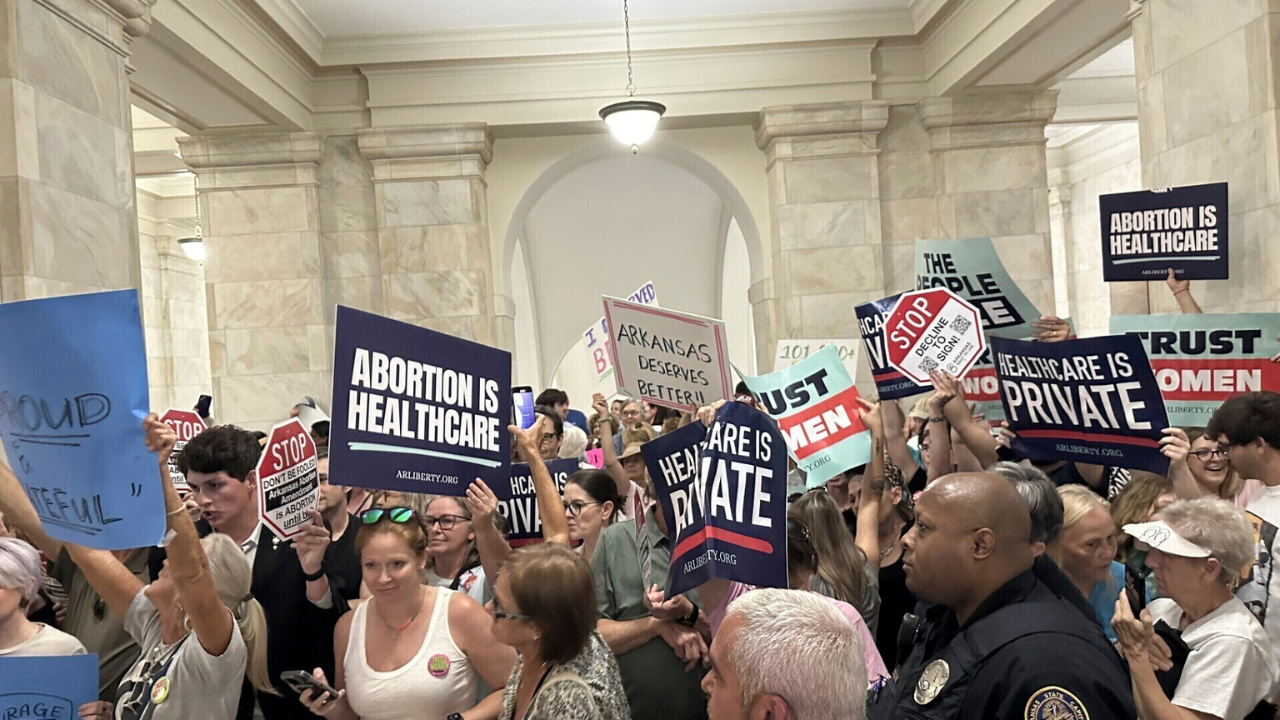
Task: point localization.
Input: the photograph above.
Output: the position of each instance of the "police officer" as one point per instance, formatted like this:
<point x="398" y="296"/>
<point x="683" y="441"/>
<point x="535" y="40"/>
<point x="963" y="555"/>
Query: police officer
<point x="998" y="644"/>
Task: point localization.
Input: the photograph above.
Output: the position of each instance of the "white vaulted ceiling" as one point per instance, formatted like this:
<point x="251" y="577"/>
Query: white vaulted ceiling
<point x="348" y="17"/>
<point x="608" y="227"/>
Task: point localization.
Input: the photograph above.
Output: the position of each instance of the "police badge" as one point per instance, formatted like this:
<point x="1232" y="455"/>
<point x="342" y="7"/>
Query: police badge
<point x="931" y="681"/>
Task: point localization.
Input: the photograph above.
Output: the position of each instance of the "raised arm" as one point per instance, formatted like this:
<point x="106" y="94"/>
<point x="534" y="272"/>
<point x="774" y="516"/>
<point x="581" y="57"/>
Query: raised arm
<point x="895" y="444"/>
<point x="603" y="432"/>
<point x="1176" y="446"/>
<point x="493" y="549"/>
<point x="1181" y="290"/>
<point x="873" y="483"/>
<point x="210" y="619"/>
<point x="975" y="437"/>
<point x="19" y="512"/>
<point x="555" y="528"/>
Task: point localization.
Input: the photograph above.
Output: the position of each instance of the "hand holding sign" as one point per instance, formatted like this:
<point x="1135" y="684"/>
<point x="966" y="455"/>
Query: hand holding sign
<point x="1175" y="445"/>
<point x="674" y="609"/>
<point x="870" y="414"/>
<point x="312" y="543"/>
<point x="945" y="389"/>
<point x="160" y="438"/>
<point x="1052" y="329"/>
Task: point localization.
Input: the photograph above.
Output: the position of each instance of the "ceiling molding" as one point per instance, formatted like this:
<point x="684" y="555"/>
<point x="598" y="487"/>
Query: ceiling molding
<point x="598" y="38"/>
<point x="296" y="25"/>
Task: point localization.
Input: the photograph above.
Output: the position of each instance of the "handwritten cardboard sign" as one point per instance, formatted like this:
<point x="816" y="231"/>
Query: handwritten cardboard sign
<point x="1093" y="400"/>
<point x="288" y="479"/>
<point x="1201" y="360"/>
<point x="416" y="410"/>
<point x="816" y="406"/>
<point x="1145" y="233"/>
<point x="73" y="394"/>
<point x="668" y="358"/>
<point x="723" y="491"/>
<point x="596" y="339"/>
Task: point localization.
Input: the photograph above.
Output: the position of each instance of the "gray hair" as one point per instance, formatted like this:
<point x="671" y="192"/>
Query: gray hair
<point x="797" y="645"/>
<point x="20" y="568"/>
<point x="1217" y="526"/>
<point x="1041" y="496"/>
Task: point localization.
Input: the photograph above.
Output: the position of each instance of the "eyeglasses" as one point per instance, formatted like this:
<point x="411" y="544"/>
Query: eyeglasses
<point x="399" y="515"/>
<point x="575" y="508"/>
<point x="1203" y="455"/>
<point x="447" y="522"/>
<point x="499" y="615"/>
<point x="631" y="413"/>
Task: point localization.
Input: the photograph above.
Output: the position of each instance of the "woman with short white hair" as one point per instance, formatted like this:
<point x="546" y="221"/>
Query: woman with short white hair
<point x="1198" y="549"/>
<point x="19" y="584"/>
<point x="790" y="654"/>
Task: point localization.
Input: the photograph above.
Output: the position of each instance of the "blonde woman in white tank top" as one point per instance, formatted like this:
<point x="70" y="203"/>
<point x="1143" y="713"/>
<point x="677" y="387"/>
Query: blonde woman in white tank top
<point x="412" y="651"/>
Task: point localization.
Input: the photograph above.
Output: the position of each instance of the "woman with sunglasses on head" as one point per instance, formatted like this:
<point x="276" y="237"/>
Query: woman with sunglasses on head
<point x="412" y="647"/>
<point x="545" y="607"/>
<point x="200" y="631"/>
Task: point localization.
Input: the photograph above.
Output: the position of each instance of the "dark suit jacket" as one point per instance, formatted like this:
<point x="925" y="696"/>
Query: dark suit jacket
<point x="299" y="634"/>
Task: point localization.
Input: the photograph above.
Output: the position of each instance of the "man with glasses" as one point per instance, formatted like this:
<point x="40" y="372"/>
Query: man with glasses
<point x="1247" y="428"/>
<point x="632" y="414"/>
<point x="552" y="433"/>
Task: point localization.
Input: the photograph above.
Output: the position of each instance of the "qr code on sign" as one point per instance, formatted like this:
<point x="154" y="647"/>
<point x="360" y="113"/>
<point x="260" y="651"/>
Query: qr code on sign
<point x="961" y="325"/>
<point x="928" y="365"/>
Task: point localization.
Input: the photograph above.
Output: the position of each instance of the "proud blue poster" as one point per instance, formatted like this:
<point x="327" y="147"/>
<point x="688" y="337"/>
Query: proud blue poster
<point x="816" y="406"/>
<point x="890" y="384"/>
<point x="51" y="687"/>
<point x="73" y="394"/>
<point x="723" y="493"/>
<point x="1148" y="232"/>
<point x="1093" y="400"/>
<point x="521" y="510"/>
<point x="416" y="410"/>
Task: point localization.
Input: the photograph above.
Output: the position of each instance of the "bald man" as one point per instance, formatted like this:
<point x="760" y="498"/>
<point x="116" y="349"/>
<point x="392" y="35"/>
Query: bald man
<point x="997" y="644"/>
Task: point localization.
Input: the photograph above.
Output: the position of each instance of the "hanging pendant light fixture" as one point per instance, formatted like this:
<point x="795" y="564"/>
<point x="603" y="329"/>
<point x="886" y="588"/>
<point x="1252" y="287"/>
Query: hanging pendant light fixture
<point x="193" y="247"/>
<point x="632" y="121"/>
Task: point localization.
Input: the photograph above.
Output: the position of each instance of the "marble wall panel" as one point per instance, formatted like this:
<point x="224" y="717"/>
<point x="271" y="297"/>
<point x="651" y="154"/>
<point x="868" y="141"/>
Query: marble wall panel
<point x="351" y="254"/>
<point x="256" y="402"/>
<point x="68" y="63"/>
<point x="260" y="351"/>
<point x="835" y="270"/>
<point x="831" y="179"/>
<point x="77" y="151"/>
<point x="347" y="208"/>
<point x="80" y="241"/>
<point x="827" y="224"/>
<point x="427" y="202"/>
<point x="1203" y="103"/>
<point x="265" y="304"/>
<point x="993" y="168"/>
<point x="451" y="293"/>
<point x="261" y="211"/>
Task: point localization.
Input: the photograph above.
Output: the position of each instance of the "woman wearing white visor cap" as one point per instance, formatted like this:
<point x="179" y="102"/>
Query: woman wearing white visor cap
<point x="1198" y="549"/>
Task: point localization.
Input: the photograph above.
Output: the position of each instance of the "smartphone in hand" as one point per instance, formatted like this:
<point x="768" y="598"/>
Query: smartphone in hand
<point x="301" y="681"/>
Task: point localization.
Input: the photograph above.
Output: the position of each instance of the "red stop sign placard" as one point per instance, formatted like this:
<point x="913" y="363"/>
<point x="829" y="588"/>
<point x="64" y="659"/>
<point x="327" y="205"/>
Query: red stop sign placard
<point x="187" y="424"/>
<point x="288" y="483"/>
<point x="930" y="330"/>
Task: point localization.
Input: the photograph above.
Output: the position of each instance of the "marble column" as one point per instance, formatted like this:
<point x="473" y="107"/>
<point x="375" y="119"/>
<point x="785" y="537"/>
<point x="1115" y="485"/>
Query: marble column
<point x="1208" y="77"/>
<point x="259" y="202"/>
<point x="67" y="217"/>
<point x="433" y="227"/>
<point x="824" y="191"/>
<point x="991" y="179"/>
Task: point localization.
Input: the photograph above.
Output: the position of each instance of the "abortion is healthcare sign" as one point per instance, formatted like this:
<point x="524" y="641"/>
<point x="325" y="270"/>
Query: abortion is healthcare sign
<point x="1145" y="233"/>
<point x="724" y="493"/>
<point x="668" y="358"/>
<point x="1201" y="360"/>
<point x="1093" y="400"/>
<point x="416" y="410"/>
<point x="816" y="406"/>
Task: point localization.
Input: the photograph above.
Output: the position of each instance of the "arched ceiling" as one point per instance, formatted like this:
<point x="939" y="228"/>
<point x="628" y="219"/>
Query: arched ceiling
<point x="610" y="226"/>
<point x="343" y="17"/>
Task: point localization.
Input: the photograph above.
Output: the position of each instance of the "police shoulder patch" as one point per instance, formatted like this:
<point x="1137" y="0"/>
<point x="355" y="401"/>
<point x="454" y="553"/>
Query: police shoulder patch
<point x="1054" y="703"/>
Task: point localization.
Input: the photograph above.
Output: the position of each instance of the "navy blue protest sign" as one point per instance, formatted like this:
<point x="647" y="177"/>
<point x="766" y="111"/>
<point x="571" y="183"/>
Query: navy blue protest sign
<point x="73" y="394"/>
<point x="416" y="410"/>
<point x="521" y="510"/>
<point x="1093" y="400"/>
<point x="723" y="493"/>
<point x="1145" y="233"/>
<point x="890" y="384"/>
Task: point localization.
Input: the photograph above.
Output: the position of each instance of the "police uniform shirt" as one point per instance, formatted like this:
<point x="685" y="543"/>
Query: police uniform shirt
<point x="1069" y="674"/>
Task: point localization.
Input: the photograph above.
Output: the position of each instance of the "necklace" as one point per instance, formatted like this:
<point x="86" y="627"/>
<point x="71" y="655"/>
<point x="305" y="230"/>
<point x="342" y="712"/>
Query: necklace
<point x="395" y="631"/>
<point x="885" y="552"/>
